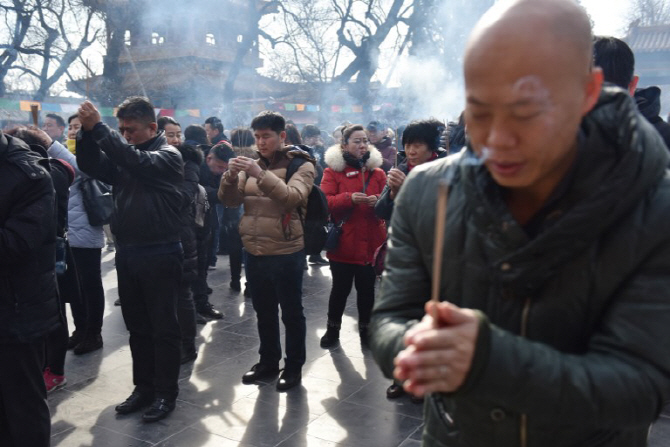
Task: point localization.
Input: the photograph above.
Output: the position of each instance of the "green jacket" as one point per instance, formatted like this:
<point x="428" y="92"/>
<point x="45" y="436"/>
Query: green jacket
<point x="574" y="343"/>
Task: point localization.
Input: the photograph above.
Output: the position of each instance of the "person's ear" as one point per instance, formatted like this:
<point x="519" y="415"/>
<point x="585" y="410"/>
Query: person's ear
<point x="633" y="85"/>
<point x="154" y="127"/>
<point x="594" y="86"/>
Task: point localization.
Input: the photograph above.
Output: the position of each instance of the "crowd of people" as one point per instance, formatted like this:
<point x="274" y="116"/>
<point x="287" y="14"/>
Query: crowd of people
<point x="552" y="323"/>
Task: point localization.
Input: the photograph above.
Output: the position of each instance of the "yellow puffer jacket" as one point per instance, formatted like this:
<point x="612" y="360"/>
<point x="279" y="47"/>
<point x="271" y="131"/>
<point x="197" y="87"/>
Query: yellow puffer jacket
<point x="267" y="200"/>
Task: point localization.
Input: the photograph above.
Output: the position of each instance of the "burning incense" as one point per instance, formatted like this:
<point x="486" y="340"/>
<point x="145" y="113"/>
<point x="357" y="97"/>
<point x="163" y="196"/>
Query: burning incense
<point x="34" y="112"/>
<point x="438" y="248"/>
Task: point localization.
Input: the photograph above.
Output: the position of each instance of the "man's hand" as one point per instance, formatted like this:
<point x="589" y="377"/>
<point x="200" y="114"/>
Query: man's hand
<point x="395" y="179"/>
<point x="245" y="164"/>
<point x="439" y="350"/>
<point x="88" y="115"/>
<point x="358" y="198"/>
<point x="371" y="201"/>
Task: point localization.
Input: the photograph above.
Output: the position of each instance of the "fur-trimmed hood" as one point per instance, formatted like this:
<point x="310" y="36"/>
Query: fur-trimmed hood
<point x="335" y="160"/>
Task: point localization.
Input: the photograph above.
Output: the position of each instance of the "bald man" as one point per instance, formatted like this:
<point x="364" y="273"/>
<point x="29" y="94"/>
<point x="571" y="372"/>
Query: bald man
<point x="552" y="329"/>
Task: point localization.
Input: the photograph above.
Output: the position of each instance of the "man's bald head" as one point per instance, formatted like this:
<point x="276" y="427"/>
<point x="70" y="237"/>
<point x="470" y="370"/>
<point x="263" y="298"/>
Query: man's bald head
<point x="563" y="24"/>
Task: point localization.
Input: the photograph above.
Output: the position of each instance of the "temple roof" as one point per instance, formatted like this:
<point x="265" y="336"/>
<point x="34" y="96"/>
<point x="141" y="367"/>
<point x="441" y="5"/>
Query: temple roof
<point x="649" y="38"/>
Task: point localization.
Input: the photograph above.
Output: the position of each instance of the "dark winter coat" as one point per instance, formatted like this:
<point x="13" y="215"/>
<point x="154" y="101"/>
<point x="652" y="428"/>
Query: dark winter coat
<point x="649" y="103"/>
<point x="574" y="336"/>
<point x="192" y="157"/>
<point x="388" y="151"/>
<point x="363" y="232"/>
<point x="28" y="293"/>
<point x="384" y="206"/>
<point x="146" y="180"/>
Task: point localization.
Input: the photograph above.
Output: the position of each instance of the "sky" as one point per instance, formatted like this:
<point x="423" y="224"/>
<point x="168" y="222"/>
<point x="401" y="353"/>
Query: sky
<point x="609" y="16"/>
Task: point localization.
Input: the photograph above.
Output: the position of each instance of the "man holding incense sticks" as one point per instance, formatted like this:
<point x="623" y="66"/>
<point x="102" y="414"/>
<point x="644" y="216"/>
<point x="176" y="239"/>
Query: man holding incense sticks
<point x="552" y="329"/>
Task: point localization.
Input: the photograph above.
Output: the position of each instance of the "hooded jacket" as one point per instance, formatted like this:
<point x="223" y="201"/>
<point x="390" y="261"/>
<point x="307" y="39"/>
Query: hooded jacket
<point x="649" y="103"/>
<point x="28" y="293"/>
<point x="574" y="337"/>
<point x="146" y="180"/>
<point x="363" y="232"/>
<point x="267" y="201"/>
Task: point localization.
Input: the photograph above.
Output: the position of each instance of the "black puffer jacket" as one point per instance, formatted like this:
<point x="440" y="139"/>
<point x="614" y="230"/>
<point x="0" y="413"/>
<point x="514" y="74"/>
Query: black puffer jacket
<point x="192" y="157"/>
<point x="148" y="202"/>
<point x="574" y="338"/>
<point x="649" y="102"/>
<point x="28" y="293"/>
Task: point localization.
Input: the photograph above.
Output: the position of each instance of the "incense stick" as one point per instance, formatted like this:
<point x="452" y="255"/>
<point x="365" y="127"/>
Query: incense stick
<point x="438" y="248"/>
<point x="34" y="112"/>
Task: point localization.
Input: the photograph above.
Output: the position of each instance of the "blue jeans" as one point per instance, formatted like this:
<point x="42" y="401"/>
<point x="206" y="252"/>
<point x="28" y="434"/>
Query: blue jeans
<point x="277" y="281"/>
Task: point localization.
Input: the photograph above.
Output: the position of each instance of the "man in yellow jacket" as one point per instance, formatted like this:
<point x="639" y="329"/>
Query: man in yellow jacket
<point x="272" y="236"/>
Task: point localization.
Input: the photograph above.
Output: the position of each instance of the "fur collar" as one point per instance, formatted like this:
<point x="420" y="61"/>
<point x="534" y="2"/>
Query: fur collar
<point x="335" y="160"/>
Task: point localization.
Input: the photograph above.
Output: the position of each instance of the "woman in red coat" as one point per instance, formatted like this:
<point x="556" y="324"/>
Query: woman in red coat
<point x="352" y="182"/>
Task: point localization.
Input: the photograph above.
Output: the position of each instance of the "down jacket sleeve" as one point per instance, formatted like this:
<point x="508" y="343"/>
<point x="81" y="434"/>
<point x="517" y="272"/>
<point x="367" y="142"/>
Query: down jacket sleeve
<point x="290" y="195"/>
<point x="231" y="192"/>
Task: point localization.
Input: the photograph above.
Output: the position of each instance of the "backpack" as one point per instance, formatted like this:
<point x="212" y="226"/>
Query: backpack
<point x="315" y="220"/>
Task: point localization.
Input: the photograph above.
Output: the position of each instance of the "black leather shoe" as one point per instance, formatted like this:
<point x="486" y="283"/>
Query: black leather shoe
<point x="235" y="285"/>
<point x="394" y="391"/>
<point x="134" y="402"/>
<point x="288" y="380"/>
<point x="75" y="339"/>
<point x="90" y="343"/>
<point x="208" y="311"/>
<point x="331" y="338"/>
<point x="318" y="260"/>
<point x="259" y="371"/>
<point x="159" y="409"/>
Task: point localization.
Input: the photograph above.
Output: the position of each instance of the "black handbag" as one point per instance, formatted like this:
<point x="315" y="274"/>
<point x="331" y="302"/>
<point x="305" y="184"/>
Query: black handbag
<point x="98" y="201"/>
<point x="333" y="237"/>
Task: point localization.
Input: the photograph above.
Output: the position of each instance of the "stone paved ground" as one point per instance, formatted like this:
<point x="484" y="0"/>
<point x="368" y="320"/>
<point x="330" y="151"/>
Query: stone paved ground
<point x="341" y="401"/>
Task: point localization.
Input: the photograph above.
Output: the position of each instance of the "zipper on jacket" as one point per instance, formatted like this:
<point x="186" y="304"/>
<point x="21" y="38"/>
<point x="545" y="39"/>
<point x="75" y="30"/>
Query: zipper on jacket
<point x="524" y="333"/>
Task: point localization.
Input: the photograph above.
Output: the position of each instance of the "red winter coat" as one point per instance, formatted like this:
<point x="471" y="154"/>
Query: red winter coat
<point x="363" y="232"/>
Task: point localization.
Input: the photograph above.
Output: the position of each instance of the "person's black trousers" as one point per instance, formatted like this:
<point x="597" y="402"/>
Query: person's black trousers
<point x="89" y="311"/>
<point x="149" y="280"/>
<point x="199" y="285"/>
<point x="344" y="276"/>
<point x="186" y="317"/>
<point x="277" y="281"/>
<point x="234" y="243"/>
<point x="24" y="414"/>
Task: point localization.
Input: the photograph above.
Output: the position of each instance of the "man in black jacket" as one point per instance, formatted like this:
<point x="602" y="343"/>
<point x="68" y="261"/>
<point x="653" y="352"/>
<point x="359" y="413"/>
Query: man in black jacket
<point x="617" y="61"/>
<point x="147" y="175"/>
<point x="28" y="293"/>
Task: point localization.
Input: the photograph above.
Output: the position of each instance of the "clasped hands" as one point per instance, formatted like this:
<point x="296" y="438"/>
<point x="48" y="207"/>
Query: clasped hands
<point x="439" y="350"/>
<point x="394" y="180"/>
<point x="88" y="115"/>
<point x="359" y="198"/>
<point x="246" y="164"/>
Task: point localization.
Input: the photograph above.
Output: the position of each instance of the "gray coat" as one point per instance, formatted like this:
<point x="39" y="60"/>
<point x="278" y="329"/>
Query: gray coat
<point x="574" y="334"/>
<point x="80" y="234"/>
